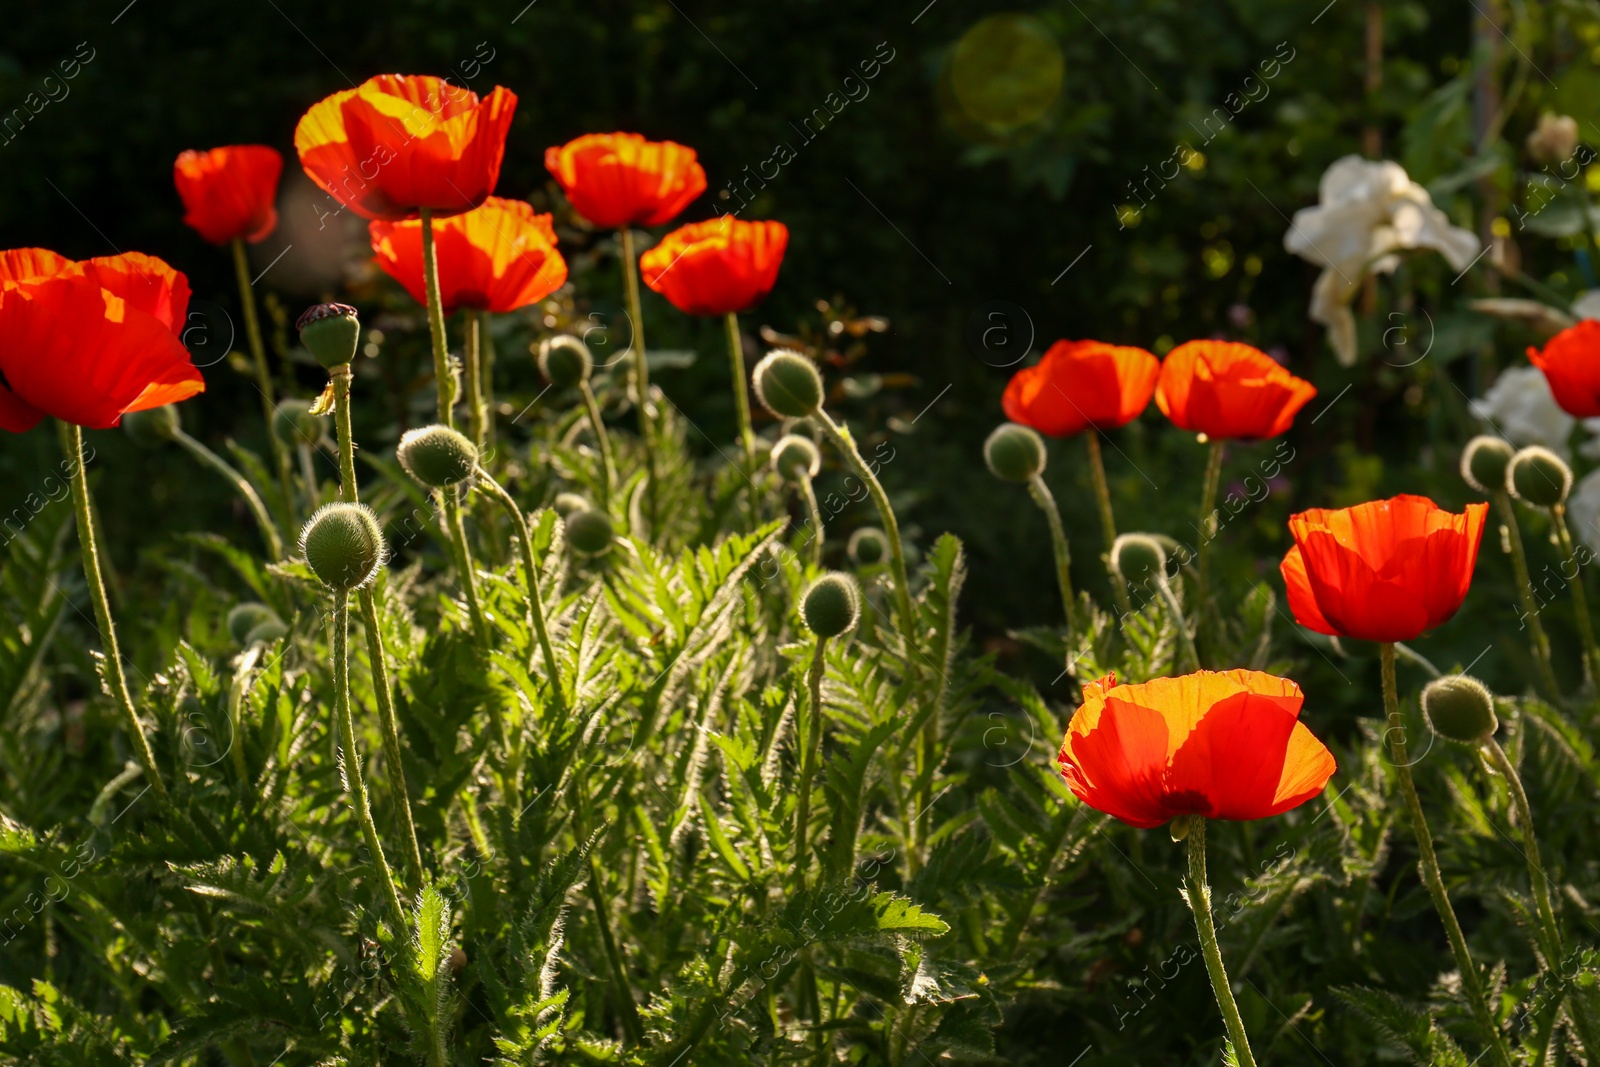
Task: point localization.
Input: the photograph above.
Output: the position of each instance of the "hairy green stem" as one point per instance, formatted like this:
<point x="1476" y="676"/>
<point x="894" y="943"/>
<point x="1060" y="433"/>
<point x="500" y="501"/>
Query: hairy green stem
<point x="597" y="426"/>
<point x="472" y="372"/>
<point x="840" y="436"/>
<point x="808" y="493"/>
<point x="1530" y="850"/>
<point x="116" y="680"/>
<point x="1580" y="599"/>
<point x="1108" y="522"/>
<point x="1200" y="904"/>
<point x="252" y="499"/>
<point x="1208" y="525"/>
<point x="444" y="380"/>
<point x="1471" y="981"/>
<point x="626" y="1008"/>
<point x="741" y="397"/>
<point x="1530" y="608"/>
<point x="1058" y="540"/>
<point x="641" y="370"/>
<point x="530" y="571"/>
<point x="808" y="761"/>
<point x="1185" y="642"/>
<point x="258" y="355"/>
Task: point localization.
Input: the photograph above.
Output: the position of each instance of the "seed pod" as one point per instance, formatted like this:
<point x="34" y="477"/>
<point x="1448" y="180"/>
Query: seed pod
<point x="787" y="383"/>
<point x="1014" y="453"/>
<point x="1484" y="462"/>
<point x="796" y="457"/>
<point x="343" y="545"/>
<point x="564" y="360"/>
<point x="1460" y="709"/>
<point x="152" y="427"/>
<point x="330" y="333"/>
<point x="589" y="531"/>
<point x="1539" y="476"/>
<point x="832" y="605"/>
<point x="437" y="456"/>
<point x="867" y="546"/>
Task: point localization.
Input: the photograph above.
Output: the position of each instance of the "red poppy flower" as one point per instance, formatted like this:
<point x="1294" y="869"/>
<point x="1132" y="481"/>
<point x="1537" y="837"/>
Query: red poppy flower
<point x="1227" y="390"/>
<point x="400" y="143"/>
<point x="717" y="266"/>
<point x="1080" y="385"/>
<point x="89" y="342"/>
<point x="1387" y="570"/>
<point x="1226" y="745"/>
<point x="621" y="179"/>
<point x="229" y="192"/>
<point x="499" y="257"/>
<point x="1571" y="364"/>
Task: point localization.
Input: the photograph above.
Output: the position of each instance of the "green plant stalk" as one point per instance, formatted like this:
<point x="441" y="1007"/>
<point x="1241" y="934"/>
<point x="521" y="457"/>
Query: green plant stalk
<point x="444" y="379"/>
<point x="252" y="499"/>
<point x="1058" y="540"/>
<point x="1108" y="522"/>
<point x="469" y="574"/>
<point x="308" y="474"/>
<point x="355" y="781"/>
<point x="1530" y="850"/>
<point x="840" y="436"/>
<point x="1200" y="904"/>
<point x="530" y="571"/>
<point x="597" y="425"/>
<point x="808" y="493"/>
<point x="619" y="974"/>
<point x="641" y="369"/>
<point x="1580" y="599"/>
<point x="390" y="727"/>
<point x="116" y="680"/>
<point x="486" y="379"/>
<point x="1185" y="642"/>
<point x="258" y="355"/>
<point x="1429" y="865"/>
<point x="808" y="761"/>
<point x="1530" y="609"/>
<point x="472" y="371"/>
<point x="741" y="394"/>
<point x="1208" y="524"/>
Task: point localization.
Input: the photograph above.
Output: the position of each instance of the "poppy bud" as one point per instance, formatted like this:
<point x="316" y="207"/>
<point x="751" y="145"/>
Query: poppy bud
<point x="1014" y="453"/>
<point x="589" y="531"/>
<point x="787" y="383"/>
<point x="564" y="360"/>
<point x="152" y="427"/>
<point x="1539" y="476"/>
<point x="1460" y="709"/>
<point x="437" y="456"/>
<point x="796" y="457"/>
<point x="1484" y="463"/>
<point x="566" y="503"/>
<point x="1138" y="558"/>
<point x="867" y="546"/>
<point x="343" y="545"/>
<point x="1554" y="139"/>
<point x="330" y="333"/>
<point x="295" y="423"/>
<point x="832" y="605"/>
<point x="251" y="622"/>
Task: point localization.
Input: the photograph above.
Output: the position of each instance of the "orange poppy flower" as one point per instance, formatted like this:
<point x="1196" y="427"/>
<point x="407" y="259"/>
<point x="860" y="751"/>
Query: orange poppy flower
<point x="1226" y="745"/>
<point x="89" y="342"/>
<point x="1387" y="570"/>
<point x="621" y="179"/>
<point x="399" y="143"/>
<point x="1571" y="364"/>
<point x="498" y="257"/>
<point x="1227" y="390"/>
<point x="717" y="266"/>
<point x="1080" y="385"/>
<point x="229" y="192"/>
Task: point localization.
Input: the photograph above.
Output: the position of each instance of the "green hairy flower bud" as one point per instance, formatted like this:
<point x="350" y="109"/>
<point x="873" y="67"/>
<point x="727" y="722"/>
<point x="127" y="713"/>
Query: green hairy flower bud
<point x="787" y="384"/>
<point x="589" y="530"/>
<point x="153" y="427"/>
<point x="1540" y="477"/>
<point x="566" y="503"/>
<point x="250" y="622"/>
<point x="1460" y="709"/>
<point x="564" y="360"/>
<point x="296" y="424"/>
<point x="1014" y="453"/>
<point x="1138" y="558"/>
<point x="832" y="605"/>
<point x="330" y="333"/>
<point x="796" y="457"/>
<point x="867" y="546"/>
<point x="437" y="456"/>
<point x="1484" y="462"/>
<point x="343" y="545"/>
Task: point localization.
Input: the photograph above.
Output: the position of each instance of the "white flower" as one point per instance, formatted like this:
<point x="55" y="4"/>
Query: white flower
<point x="1583" y="509"/>
<point x="1519" y="407"/>
<point x="1368" y="212"/>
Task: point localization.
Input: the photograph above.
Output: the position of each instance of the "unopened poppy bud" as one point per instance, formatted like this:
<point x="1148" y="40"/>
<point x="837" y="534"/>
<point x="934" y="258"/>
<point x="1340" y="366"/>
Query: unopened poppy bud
<point x="1138" y="558"/>
<point x="343" y="545"/>
<point x="787" y="383"/>
<point x="566" y="503"/>
<point x="832" y="605"/>
<point x="250" y="622"/>
<point x="295" y="423"/>
<point x="868" y="545"/>
<point x="330" y="333"/>
<point x="564" y="360"/>
<point x="796" y="457"/>
<point x="1460" y="709"/>
<point x="1539" y="476"/>
<point x="1554" y="139"/>
<point x="1015" y="453"/>
<point x="589" y="531"/>
<point x="437" y="456"/>
<point x="155" y="426"/>
<point x="1484" y="463"/>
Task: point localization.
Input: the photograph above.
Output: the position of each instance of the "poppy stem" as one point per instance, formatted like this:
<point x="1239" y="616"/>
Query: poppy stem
<point x="1058" y="539"/>
<point x="376" y="654"/>
<point x="1580" y="599"/>
<point x="845" y="443"/>
<point x="641" y="369"/>
<point x="252" y="499"/>
<point x="530" y="571"/>
<point x="472" y="372"/>
<point x="258" y="355"/>
<point x="808" y="493"/>
<point x="741" y="399"/>
<point x="1530" y="608"/>
<point x="115" y="680"/>
<point x="1208" y="524"/>
<point x="1539" y="881"/>
<point x="1199" y="897"/>
<point x="808" y="761"/>
<point x="1395" y="735"/>
<point x="1179" y="623"/>
<point x="597" y="426"/>
<point x="1108" y="522"/>
<point x="443" y="376"/>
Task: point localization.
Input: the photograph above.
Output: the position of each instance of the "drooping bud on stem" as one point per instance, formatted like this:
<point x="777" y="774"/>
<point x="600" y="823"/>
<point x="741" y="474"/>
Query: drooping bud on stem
<point x="1484" y="462"/>
<point x="1540" y="477"/>
<point x="1139" y="559"/>
<point x="152" y="427"/>
<point x="795" y="457"/>
<point x="832" y="605"/>
<point x="437" y="456"/>
<point x="330" y="333"/>
<point x="343" y="545"/>
<point x="564" y="360"/>
<point x="295" y="422"/>
<point x="589" y="530"/>
<point x="787" y="384"/>
<point x="1014" y="453"/>
<point x="867" y="546"/>
<point x="1460" y="709"/>
<point x="251" y="622"/>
